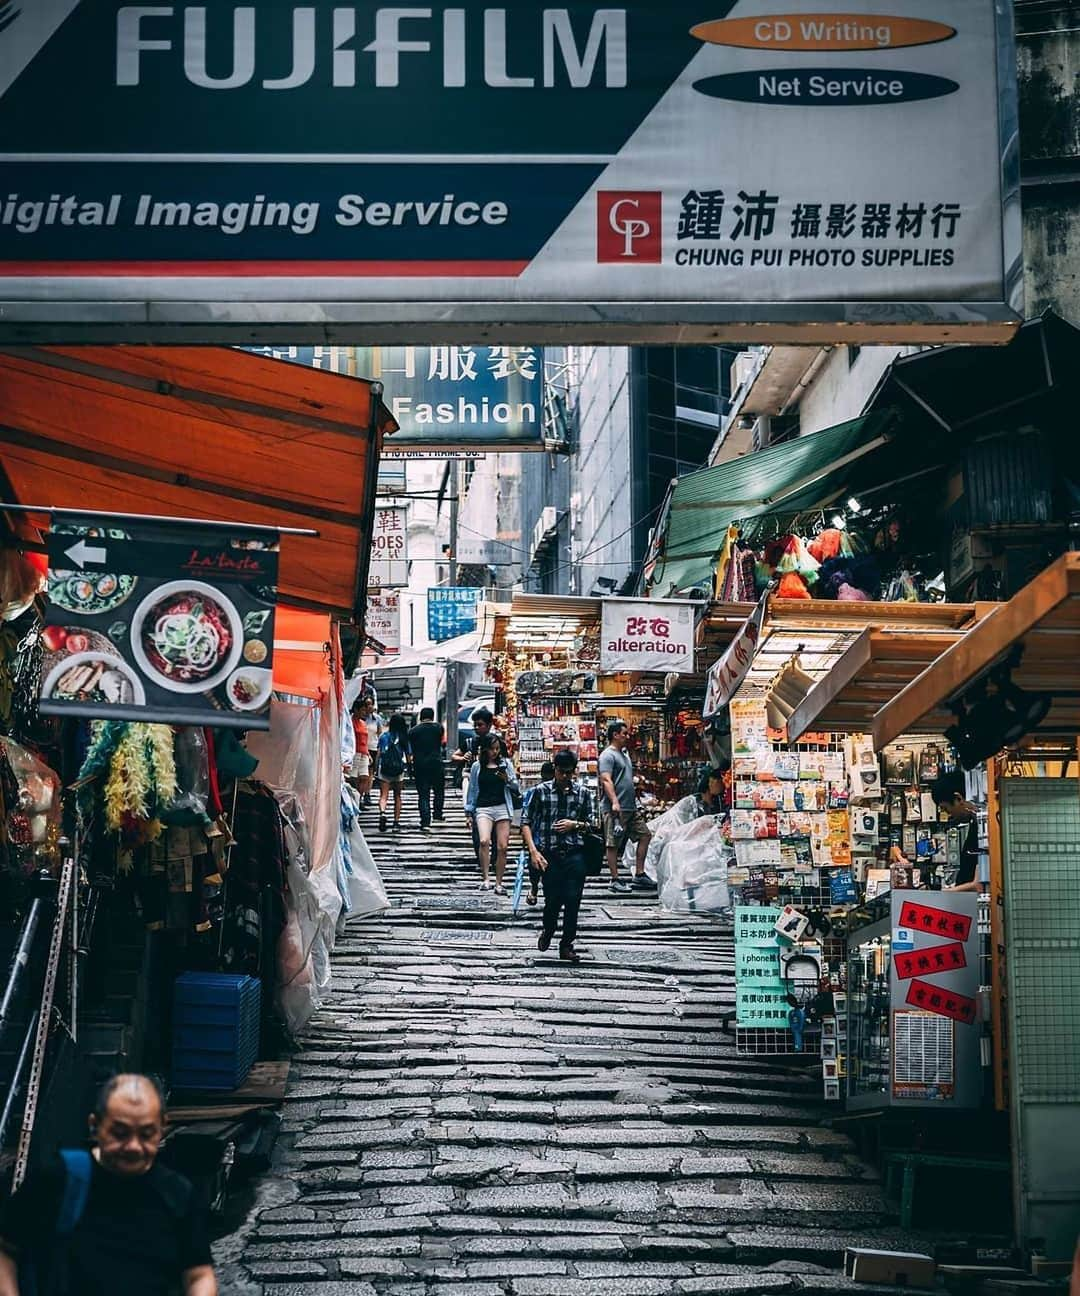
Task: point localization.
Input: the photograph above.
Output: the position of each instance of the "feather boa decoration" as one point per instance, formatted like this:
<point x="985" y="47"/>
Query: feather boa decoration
<point x="139" y="768"/>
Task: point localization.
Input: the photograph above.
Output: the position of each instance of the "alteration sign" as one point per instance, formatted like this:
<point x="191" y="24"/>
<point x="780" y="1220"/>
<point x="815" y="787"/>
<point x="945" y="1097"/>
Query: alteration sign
<point x="764" y="170"/>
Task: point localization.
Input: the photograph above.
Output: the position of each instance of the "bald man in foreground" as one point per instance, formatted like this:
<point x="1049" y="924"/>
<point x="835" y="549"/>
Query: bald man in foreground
<point x="110" y="1221"/>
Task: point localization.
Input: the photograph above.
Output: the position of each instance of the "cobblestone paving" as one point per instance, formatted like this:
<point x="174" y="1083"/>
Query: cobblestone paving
<point x="470" y="1117"/>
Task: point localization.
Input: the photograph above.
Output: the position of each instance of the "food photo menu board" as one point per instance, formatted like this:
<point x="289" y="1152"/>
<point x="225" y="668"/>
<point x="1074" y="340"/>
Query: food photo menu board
<point x="160" y="621"/>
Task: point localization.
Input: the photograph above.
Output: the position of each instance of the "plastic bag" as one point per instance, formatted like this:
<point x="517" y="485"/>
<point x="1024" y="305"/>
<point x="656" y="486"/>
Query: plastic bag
<point x="367" y="895"/>
<point x="33" y="823"/>
<point x="192" y="758"/>
<point x="664" y="826"/>
<point x="692" y="869"/>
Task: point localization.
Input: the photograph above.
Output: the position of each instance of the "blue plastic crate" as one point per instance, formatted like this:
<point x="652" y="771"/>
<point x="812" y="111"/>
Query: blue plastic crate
<point x="215" y="1029"/>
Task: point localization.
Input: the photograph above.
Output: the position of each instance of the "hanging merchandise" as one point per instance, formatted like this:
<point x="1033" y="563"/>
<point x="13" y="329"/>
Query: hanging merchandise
<point x="134" y="768"/>
<point x="899" y="767"/>
<point x="31" y="807"/>
<point x="929" y="763"/>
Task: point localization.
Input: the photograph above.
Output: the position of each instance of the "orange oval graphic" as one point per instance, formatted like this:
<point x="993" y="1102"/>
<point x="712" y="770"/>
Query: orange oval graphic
<point x="831" y="31"/>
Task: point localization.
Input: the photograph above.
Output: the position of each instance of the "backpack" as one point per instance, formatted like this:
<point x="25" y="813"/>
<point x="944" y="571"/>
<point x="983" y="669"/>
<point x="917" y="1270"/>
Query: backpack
<point x="391" y="760"/>
<point x="37" y="1273"/>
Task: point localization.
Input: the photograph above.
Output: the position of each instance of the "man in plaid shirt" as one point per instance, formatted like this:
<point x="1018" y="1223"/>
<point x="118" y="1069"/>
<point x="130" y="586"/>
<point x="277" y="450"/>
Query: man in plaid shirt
<point x="553" y="832"/>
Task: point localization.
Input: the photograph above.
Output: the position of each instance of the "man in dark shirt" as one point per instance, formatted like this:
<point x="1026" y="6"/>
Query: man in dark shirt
<point x="948" y="793"/>
<point x="426" y="741"/>
<point x="141" y="1229"/>
<point x="559" y="813"/>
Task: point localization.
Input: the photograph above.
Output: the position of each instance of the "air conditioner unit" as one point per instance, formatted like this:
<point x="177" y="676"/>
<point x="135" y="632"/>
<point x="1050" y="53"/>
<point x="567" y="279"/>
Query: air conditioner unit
<point x="743" y="368"/>
<point x="761" y="435"/>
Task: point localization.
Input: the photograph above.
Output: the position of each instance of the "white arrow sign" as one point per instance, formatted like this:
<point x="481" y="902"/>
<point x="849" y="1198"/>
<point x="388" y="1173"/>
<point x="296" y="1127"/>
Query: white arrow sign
<point x="82" y="553"/>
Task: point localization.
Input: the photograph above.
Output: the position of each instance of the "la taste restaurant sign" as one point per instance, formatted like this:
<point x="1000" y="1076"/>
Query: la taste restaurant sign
<point x="750" y="170"/>
<point x="647" y="635"/>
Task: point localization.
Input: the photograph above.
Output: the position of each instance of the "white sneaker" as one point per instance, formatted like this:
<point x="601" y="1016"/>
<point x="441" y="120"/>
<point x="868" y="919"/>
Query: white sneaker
<point x="618" y="887"/>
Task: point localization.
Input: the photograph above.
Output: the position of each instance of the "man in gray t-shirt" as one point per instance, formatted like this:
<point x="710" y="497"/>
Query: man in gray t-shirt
<point x="622" y="819"/>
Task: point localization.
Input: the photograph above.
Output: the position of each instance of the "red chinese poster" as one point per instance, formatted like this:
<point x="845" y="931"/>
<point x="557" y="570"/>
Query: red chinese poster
<point x="945" y="1003"/>
<point x="935" y="922"/>
<point x="931" y="961"/>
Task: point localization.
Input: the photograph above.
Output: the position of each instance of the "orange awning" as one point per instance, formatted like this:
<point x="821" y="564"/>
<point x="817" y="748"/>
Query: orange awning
<point x="202" y="432"/>
<point x="301" y="652"/>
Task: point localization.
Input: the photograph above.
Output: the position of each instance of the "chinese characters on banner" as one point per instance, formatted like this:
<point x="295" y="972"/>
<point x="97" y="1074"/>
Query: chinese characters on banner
<point x="728" y="673"/>
<point x="451" y="611"/>
<point x="927" y="962"/>
<point x="171" y="622"/>
<point x="760" y="994"/>
<point x="647" y="635"/>
<point x="478" y="397"/>
<point x="389" y="565"/>
<point x="382" y="625"/>
<point x="937" y="922"/>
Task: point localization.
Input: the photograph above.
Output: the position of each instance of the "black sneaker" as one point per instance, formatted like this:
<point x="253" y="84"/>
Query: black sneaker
<point x="382" y="823"/>
<point x="568" y="954"/>
<point x="643" y="883"/>
<point x="397" y="826"/>
<point x="543" y="941"/>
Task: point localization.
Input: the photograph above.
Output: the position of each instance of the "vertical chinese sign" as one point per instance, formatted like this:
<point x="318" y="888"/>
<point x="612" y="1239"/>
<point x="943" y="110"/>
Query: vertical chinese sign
<point x="647" y="635"/>
<point x="451" y="611"/>
<point x="382" y="625"/>
<point x="389" y="567"/>
<point x="170" y="622"/>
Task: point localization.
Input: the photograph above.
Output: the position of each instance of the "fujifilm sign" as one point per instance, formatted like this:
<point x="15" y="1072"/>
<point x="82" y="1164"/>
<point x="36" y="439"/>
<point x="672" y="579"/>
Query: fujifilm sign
<point x="462" y="174"/>
<point x="349" y="44"/>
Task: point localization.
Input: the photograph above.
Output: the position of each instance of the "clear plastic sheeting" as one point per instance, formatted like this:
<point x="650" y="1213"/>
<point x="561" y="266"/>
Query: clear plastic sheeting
<point x="331" y="875"/>
<point x="367" y="895"/>
<point x="691" y="862"/>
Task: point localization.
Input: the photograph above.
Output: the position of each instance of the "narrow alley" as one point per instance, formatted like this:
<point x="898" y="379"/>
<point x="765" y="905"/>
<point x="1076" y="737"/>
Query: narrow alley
<point x="471" y="1117"/>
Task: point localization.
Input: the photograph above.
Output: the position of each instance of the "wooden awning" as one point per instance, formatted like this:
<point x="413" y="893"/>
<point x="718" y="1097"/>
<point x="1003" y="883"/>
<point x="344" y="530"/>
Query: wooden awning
<point x="877" y="665"/>
<point x="1045" y="618"/>
<point x="202" y="432"/>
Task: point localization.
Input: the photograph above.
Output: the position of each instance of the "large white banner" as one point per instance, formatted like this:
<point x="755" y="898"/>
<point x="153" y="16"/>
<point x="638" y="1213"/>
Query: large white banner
<point x="757" y="166"/>
<point x="647" y="635"/>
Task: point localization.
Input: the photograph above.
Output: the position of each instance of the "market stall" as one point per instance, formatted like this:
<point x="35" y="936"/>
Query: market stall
<point x="549" y="658"/>
<point x="171" y="699"/>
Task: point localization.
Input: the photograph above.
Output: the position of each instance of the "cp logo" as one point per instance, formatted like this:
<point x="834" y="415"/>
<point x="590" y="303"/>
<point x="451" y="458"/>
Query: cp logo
<point x="628" y="227"/>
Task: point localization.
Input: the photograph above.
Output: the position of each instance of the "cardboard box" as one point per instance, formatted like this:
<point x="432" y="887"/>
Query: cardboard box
<point x="895" y="1268"/>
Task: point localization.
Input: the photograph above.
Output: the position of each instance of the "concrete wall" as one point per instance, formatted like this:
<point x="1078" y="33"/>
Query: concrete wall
<point x="601" y="495"/>
<point x="1048" y="64"/>
<point x="843" y="385"/>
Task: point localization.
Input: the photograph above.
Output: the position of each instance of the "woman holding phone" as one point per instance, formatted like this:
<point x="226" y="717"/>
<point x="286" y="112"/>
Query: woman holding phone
<point x="493" y="787"/>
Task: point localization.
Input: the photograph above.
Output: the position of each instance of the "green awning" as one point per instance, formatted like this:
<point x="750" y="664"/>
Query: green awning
<point x="809" y="472"/>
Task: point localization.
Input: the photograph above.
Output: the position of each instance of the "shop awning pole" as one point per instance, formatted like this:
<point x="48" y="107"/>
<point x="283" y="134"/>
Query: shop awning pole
<point x="217" y="524"/>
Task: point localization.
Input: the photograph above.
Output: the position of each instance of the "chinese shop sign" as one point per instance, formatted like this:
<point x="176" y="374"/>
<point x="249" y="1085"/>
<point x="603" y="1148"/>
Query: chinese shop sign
<point x="451" y="611"/>
<point x="170" y="622"/>
<point x="382" y="625"/>
<point x="389" y="566"/>
<point x="461" y="397"/>
<point x="930" y="961"/>
<point x="935" y="922"/>
<point x="544" y="171"/>
<point x="652" y="635"/>
<point x="943" y="1002"/>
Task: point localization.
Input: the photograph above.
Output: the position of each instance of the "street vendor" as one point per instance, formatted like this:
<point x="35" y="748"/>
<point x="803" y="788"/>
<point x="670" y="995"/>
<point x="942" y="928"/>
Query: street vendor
<point x="948" y="793"/>
<point x="711" y="797"/>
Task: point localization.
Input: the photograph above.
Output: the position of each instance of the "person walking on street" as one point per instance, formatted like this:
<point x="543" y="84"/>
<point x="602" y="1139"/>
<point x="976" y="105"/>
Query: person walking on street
<point x="622" y="819"/>
<point x="427" y="743"/>
<point x="373" y="723"/>
<point x="558" y="814"/>
<point x="111" y="1220"/>
<point x="468" y="750"/>
<point x="493" y="788"/>
<point x="392" y="761"/>
<point x="547" y="773"/>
